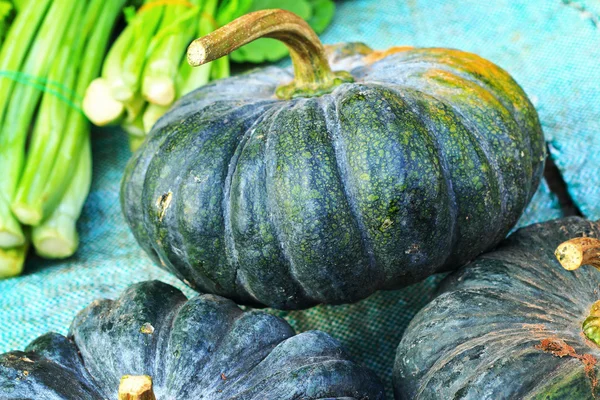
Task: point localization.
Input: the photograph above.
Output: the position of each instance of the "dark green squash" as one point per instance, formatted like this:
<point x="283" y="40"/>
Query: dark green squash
<point x="204" y="348"/>
<point x="338" y="184"/>
<point x="513" y="324"/>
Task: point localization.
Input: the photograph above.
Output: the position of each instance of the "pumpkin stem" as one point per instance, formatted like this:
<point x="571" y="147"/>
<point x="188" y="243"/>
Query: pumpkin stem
<point x="572" y="254"/>
<point x="576" y="252"/>
<point x="313" y="75"/>
<point x="136" y="387"/>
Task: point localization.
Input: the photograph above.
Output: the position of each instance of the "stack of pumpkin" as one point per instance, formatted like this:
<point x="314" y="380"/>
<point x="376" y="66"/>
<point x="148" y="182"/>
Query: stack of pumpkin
<point x="323" y="187"/>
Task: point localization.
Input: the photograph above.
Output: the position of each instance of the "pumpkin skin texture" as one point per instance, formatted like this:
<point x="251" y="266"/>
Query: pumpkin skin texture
<point x="507" y="326"/>
<point x="204" y="348"/>
<point x="425" y="161"/>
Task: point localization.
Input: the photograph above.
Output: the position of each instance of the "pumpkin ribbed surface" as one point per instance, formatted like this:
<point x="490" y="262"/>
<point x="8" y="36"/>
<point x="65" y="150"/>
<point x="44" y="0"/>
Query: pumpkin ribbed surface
<point x="507" y="326"/>
<point x="204" y="348"/>
<point x="426" y="160"/>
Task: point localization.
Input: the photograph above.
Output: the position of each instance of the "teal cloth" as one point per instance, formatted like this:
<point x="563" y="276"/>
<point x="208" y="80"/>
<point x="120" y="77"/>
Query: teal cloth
<point x="550" y="47"/>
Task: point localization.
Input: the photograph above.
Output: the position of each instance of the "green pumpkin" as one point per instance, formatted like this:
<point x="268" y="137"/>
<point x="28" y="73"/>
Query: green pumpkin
<point x="204" y="348"/>
<point x="513" y="324"/>
<point x="338" y="184"/>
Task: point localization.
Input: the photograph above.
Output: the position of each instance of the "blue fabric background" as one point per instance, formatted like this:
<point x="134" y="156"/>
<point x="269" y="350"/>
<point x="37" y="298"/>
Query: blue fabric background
<point x="551" y="47"/>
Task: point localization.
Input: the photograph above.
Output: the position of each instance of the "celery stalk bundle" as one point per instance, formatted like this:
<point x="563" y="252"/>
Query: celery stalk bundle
<point x="146" y="69"/>
<point x="52" y="51"/>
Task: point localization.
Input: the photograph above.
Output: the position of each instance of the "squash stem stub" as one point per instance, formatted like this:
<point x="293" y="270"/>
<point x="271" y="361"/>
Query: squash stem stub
<point x="576" y="252"/>
<point x="313" y="75"/>
<point x="572" y="254"/>
<point x="136" y="387"/>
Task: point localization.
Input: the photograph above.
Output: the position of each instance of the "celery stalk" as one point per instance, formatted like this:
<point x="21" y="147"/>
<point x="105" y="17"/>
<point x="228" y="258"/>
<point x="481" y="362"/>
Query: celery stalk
<point x="77" y="127"/>
<point x="189" y="78"/>
<point x="127" y="82"/>
<point x="57" y="236"/>
<point x="221" y="69"/>
<point x="192" y="78"/>
<point x="135" y="126"/>
<point x="135" y="129"/>
<point x="7" y="11"/>
<point x="99" y="105"/>
<point x="12" y="260"/>
<point x="20" y="4"/>
<point x="20" y="109"/>
<point x="135" y="142"/>
<point x="50" y="123"/>
<point x="134" y="108"/>
<point x="113" y="62"/>
<point x="107" y="98"/>
<point x="11" y="233"/>
<point x="12" y="55"/>
<point x="16" y="47"/>
<point x="152" y="114"/>
<point x="158" y="86"/>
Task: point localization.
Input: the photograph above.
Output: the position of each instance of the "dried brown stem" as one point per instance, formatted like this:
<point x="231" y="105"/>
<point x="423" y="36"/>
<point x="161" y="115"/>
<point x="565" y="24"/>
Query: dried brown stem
<point x="313" y="75"/>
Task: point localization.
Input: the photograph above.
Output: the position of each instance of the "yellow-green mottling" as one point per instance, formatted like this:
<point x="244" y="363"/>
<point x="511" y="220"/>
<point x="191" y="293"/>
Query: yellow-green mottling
<point x="574" y="386"/>
<point x="426" y="160"/>
<point x="591" y="325"/>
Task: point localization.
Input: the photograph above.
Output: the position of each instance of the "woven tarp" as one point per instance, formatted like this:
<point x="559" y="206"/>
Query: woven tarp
<point x="549" y="46"/>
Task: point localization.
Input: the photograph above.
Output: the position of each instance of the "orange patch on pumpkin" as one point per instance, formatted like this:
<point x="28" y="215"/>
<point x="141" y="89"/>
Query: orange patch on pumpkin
<point x="380" y="54"/>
